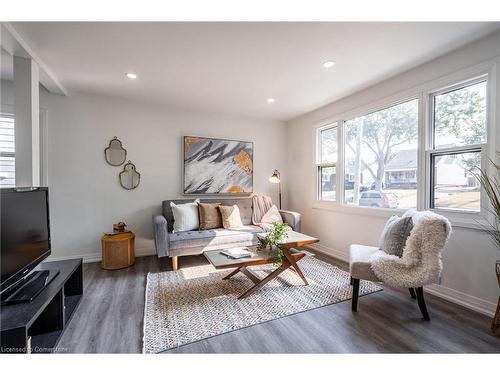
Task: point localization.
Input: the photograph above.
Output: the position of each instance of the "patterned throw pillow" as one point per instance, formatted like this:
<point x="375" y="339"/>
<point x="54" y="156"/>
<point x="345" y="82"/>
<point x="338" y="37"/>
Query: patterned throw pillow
<point x="185" y="216"/>
<point x="230" y="216"/>
<point x="210" y="216"/>
<point x="395" y="233"/>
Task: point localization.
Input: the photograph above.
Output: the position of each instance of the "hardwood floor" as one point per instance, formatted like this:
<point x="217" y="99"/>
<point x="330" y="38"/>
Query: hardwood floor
<point x="109" y="320"/>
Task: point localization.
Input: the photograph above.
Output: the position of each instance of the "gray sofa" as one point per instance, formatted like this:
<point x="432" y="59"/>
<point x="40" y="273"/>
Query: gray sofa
<point x="194" y="242"/>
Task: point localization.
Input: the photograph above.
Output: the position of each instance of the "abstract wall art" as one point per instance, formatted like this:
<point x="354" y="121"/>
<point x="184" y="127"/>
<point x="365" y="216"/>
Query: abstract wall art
<point x="217" y="166"/>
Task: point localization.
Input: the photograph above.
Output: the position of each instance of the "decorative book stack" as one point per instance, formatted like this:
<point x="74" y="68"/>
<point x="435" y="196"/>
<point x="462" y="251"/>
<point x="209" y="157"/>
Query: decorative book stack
<point x="237" y="252"/>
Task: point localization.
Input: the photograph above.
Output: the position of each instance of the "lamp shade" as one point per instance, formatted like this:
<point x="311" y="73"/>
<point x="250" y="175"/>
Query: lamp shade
<point x="275" y="178"/>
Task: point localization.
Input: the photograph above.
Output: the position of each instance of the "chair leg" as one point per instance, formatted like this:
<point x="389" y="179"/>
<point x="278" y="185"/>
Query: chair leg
<point x="412" y="293"/>
<point x="355" y="294"/>
<point x="175" y="263"/>
<point x="421" y="302"/>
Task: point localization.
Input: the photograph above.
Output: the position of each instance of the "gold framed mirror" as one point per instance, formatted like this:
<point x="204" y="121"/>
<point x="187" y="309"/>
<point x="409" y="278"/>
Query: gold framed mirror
<point x="115" y="154"/>
<point x="129" y="177"/>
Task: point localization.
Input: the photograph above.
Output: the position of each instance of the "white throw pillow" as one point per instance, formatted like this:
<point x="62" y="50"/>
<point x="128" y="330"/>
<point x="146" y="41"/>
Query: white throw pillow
<point x="185" y="216"/>
<point x="271" y="216"/>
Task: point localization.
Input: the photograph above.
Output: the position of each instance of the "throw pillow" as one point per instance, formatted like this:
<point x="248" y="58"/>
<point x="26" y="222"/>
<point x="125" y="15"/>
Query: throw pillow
<point x="210" y="216"/>
<point x="185" y="216"/>
<point x="388" y="225"/>
<point x="271" y="216"/>
<point x="230" y="216"/>
<point x="395" y="233"/>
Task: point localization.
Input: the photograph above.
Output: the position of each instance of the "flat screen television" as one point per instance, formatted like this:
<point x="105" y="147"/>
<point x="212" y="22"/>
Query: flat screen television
<point x="25" y="233"/>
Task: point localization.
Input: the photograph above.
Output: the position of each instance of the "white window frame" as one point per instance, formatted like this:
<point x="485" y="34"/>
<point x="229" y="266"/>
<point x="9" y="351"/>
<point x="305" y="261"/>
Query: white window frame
<point x="432" y="152"/>
<point x="490" y="70"/>
<point x="44" y="139"/>
<point x="381" y="107"/>
<point x="8" y="110"/>
<point x="320" y="164"/>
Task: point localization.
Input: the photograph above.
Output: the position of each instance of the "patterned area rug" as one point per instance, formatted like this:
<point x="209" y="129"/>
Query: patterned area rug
<point x="195" y="303"/>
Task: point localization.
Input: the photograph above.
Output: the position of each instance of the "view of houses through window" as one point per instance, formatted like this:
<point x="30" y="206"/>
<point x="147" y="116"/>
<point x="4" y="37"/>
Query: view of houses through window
<point x="380" y="165"/>
<point x="381" y="153"/>
<point x="459" y="120"/>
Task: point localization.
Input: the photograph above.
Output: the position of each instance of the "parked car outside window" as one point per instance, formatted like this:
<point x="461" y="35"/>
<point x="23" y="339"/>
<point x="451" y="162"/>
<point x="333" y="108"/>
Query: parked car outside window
<point x="375" y="198"/>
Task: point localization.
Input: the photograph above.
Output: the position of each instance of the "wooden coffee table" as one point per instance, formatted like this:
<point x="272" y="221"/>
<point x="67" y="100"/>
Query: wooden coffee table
<point x="290" y="258"/>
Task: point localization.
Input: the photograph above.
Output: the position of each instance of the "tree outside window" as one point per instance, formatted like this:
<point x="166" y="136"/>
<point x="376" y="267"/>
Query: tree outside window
<point x="381" y="156"/>
<point x="459" y="131"/>
<point x="327" y="163"/>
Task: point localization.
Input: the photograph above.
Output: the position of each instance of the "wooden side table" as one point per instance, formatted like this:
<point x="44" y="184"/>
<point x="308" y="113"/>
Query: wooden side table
<point x="118" y="251"/>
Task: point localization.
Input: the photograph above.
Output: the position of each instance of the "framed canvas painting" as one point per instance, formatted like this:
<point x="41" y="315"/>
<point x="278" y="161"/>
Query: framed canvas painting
<point x="217" y="166"/>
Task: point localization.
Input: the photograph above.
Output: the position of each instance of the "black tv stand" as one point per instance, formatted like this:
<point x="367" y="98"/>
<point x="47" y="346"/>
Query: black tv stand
<point x="36" y="327"/>
<point x="28" y="288"/>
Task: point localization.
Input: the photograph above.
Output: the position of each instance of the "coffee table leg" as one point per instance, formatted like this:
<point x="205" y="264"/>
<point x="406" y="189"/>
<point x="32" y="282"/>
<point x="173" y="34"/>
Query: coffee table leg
<point x="289" y="261"/>
<point x="232" y="274"/>
<point x="248" y="273"/>
<point x="265" y="280"/>
<point x="293" y="263"/>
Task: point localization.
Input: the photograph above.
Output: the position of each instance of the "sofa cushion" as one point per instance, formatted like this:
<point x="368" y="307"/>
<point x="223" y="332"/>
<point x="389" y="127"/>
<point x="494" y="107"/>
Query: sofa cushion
<point x="213" y="237"/>
<point x="230" y="217"/>
<point x="185" y="216"/>
<point x="210" y="216"/>
<point x="244" y="204"/>
<point x="272" y="216"/>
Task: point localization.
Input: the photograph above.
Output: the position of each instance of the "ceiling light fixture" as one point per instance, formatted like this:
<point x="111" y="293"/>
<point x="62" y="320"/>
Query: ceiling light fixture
<point x="270" y="100"/>
<point x="328" y="64"/>
<point x="131" y="76"/>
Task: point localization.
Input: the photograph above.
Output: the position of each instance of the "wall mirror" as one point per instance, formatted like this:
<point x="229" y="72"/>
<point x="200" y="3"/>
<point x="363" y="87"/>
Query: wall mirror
<point x="115" y="154"/>
<point x="129" y="177"/>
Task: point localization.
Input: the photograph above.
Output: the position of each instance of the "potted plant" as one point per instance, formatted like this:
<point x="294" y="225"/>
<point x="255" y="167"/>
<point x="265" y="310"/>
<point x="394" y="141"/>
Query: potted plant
<point x="272" y="239"/>
<point x="491" y="186"/>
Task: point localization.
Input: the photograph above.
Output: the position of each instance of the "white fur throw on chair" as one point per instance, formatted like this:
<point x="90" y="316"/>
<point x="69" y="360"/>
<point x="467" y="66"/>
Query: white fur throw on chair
<point x="421" y="261"/>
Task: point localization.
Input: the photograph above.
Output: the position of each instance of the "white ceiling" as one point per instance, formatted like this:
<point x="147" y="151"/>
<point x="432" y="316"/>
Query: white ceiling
<point x="234" y="67"/>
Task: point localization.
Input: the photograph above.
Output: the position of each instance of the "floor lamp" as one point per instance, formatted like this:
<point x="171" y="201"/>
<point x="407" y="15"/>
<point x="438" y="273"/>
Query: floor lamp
<point x="276" y="179"/>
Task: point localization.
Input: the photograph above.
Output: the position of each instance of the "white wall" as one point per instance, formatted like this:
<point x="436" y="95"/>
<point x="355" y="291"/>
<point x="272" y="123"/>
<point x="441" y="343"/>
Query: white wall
<point x="85" y="196"/>
<point x="7" y="92"/>
<point x="468" y="276"/>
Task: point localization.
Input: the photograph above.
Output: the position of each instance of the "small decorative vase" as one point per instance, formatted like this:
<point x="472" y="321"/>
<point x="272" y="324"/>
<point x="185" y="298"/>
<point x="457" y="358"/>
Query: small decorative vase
<point x="495" y="325"/>
<point x="119" y="227"/>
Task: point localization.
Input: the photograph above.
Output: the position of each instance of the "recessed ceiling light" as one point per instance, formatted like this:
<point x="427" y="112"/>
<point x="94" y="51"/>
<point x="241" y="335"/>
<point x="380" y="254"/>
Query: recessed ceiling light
<point x="131" y="76"/>
<point x="270" y="100"/>
<point x="328" y="64"/>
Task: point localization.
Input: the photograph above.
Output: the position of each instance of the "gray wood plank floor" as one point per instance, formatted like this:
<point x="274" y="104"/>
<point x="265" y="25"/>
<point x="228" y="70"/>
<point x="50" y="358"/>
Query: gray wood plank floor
<point x="109" y="320"/>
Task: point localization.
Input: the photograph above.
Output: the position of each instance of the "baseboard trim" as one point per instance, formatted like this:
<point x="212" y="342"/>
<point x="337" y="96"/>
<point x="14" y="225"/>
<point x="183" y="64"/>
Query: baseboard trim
<point x="337" y="254"/>
<point x="97" y="256"/>
<point x="466" y="300"/>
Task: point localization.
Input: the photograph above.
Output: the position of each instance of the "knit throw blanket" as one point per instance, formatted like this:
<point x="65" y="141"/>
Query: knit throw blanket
<point x="261" y="204"/>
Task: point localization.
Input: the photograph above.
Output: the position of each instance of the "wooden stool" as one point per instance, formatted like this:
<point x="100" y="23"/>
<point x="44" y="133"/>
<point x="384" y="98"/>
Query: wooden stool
<point x="118" y="251"/>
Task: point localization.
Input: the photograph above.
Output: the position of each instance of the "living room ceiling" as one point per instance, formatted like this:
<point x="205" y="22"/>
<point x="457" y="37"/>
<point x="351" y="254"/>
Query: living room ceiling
<point x="235" y="68"/>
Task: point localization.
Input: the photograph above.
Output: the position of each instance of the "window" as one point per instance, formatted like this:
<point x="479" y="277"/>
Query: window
<point x="402" y="157"/>
<point x="460" y="116"/>
<point x="381" y="157"/>
<point x="7" y="150"/>
<point x="458" y="135"/>
<point x="327" y="162"/>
